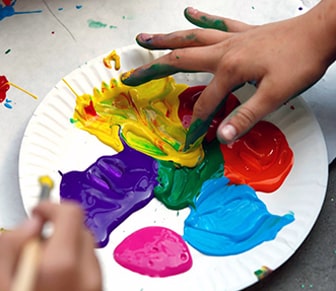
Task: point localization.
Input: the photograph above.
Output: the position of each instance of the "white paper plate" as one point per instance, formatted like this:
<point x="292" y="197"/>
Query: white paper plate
<point x="51" y="143"/>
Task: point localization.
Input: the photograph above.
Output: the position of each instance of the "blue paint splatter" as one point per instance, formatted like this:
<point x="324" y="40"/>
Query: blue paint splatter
<point x="8" y="10"/>
<point x="8" y="104"/>
<point x="79" y="6"/>
<point x="60" y="9"/>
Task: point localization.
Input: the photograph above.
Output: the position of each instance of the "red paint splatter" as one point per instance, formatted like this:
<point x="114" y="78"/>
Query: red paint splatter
<point x="4" y="87"/>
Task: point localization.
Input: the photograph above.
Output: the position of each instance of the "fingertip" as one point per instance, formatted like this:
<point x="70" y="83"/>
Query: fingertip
<point x="227" y="133"/>
<point x="145" y="40"/>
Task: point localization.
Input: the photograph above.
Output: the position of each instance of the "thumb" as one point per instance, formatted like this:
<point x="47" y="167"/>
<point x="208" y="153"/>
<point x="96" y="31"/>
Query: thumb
<point x="245" y="116"/>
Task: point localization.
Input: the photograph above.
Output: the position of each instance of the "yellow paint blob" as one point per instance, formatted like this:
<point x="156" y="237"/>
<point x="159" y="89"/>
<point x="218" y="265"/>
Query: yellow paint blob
<point x="145" y="117"/>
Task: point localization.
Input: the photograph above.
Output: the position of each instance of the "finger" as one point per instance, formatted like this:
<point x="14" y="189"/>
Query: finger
<point x="195" y="59"/>
<point x="11" y="244"/>
<point x="211" y="97"/>
<point x="180" y="39"/>
<point x="244" y="117"/>
<point x="205" y="20"/>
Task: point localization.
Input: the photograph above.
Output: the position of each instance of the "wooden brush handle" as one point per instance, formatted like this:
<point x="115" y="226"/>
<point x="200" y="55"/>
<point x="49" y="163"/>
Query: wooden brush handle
<point x="25" y="276"/>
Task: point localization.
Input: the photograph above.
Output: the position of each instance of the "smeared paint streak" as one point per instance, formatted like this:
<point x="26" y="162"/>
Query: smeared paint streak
<point x="263" y="272"/>
<point x="147" y="116"/>
<point x="178" y="186"/>
<point x="96" y="24"/>
<point x="8" y="10"/>
<point x="154" y="251"/>
<point x="230" y="219"/>
<point x="111" y="189"/>
<point x="261" y="158"/>
<point x="206" y="22"/>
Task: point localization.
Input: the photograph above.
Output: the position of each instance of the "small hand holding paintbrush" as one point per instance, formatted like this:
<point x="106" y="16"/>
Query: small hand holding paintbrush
<point x="25" y="276"/>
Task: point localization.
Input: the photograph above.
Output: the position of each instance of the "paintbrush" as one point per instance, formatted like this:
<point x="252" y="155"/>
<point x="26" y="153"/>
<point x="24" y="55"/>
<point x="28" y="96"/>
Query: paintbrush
<point x="26" y="273"/>
<point x="199" y="128"/>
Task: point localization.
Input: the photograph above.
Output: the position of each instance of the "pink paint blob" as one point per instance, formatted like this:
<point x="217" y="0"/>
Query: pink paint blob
<point x="154" y="251"/>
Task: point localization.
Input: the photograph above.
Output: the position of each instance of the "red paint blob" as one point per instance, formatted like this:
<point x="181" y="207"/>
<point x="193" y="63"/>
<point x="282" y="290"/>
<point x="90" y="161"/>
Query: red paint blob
<point x="261" y="158"/>
<point x="7" y="2"/>
<point x="154" y="251"/>
<point x="187" y="100"/>
<point x="4" y="87"/>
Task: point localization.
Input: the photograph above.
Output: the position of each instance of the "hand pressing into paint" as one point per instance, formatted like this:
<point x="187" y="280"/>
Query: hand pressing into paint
<point x="67" y="260"/>
<point x="282" y="59"/>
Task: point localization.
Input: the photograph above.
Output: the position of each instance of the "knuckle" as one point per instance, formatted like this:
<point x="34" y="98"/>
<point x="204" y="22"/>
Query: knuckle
<point x="244" y="119"/>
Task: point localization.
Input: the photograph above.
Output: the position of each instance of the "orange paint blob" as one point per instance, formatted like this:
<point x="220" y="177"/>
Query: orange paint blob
<point x="261" y="158"/>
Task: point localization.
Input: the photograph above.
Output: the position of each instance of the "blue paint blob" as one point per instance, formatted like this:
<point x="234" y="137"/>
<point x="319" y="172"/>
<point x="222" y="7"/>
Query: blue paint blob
<point x="8" y="105"/>
<point x="230" y="219"/>
<point x="79" y="6"/>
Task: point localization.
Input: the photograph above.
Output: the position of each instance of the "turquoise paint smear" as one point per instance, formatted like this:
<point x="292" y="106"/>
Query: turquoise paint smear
<point x="230" y="219"/>
<point x="8" y="11"/>
<point x="96" y="24"/>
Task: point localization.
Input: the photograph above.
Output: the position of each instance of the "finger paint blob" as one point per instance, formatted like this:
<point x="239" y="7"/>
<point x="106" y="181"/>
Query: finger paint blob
<point x="146" y="117"/>
<point x="230" y="219"/>
<point x="155" y="252"/>
<point x="178" y="186"/>
<point x="261" y="158"/>
<point x="4" y="87"/>
<point x="111" y="189"/>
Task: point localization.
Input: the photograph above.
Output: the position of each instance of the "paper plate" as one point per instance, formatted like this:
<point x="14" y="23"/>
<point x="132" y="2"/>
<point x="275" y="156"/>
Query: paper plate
<point x="51" y="144"/>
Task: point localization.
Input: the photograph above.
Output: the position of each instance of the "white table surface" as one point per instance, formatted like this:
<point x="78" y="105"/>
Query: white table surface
<point x="38" y="49"/>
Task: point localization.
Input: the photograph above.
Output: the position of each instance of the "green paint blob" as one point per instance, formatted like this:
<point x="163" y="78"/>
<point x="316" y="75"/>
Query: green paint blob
<point x="96" y="24"/>
<point x="7" y="51"/>
<point x="178" y="186"/>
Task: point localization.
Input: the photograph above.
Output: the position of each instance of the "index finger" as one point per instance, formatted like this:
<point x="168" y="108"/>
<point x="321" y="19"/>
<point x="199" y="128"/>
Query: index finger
<point x="194" y="59"/>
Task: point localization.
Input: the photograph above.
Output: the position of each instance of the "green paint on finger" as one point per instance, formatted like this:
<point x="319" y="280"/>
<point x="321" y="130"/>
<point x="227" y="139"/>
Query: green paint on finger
<point x="141" y="76"/>
<point x="207" y="22"/>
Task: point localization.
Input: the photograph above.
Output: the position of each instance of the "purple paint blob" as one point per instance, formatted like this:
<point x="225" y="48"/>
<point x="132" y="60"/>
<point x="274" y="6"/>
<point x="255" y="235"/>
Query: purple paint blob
<point x="111" y="189"/>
